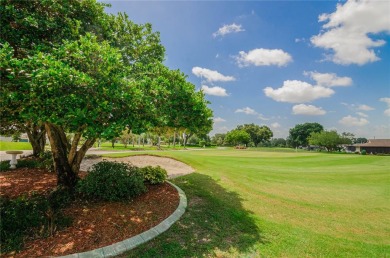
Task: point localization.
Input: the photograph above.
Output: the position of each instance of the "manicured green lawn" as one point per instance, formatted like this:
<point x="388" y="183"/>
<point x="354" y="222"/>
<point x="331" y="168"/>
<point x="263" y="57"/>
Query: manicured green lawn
<point x="251" y="203"/>
<point x="106" y="146"/>
<point x="4" y="146"/>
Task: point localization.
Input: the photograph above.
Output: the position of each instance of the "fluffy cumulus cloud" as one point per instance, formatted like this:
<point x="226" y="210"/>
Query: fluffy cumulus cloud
<point x="356" y="107"/>
<point x="365" y="108"/>
<point x="348" y="31"/>
<point x="353" y="121"/>
<point x="387" y="101"/>
<point x="246" y="110"/>
<point x="263" y="57"/>
<point x="210" y="75"/>
<point x="219" y="120"/>
<point x="294" y="91"/>
<point x="262" y="117"/>
<point x="275" y="125"/>
<point x="214" y="91"/>
<point x="362" y="114"/>
<point x="227" y="29"/>
<point x="329" y="79"/>
<point x="308" y="110"/>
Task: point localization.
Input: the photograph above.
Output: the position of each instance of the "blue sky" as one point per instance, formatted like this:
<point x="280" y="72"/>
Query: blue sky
<point x="280" y="63"/>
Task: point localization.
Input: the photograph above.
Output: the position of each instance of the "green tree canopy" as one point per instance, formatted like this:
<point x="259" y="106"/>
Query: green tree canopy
<point x="237" y="136"/>
<point x="298" y="135"/>
<point x="327" y="139"/>
<point x="257" y="133"/>
<point x="218" y="139"/>
<point x="94" y="85"/>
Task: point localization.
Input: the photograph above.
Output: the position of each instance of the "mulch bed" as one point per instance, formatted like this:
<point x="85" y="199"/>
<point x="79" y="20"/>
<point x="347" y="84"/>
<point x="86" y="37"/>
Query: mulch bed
<point x="95" y="224"/>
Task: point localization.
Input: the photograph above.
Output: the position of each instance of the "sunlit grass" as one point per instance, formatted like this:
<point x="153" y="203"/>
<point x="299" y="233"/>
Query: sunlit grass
<point x="299" y="203"/>
<point x="5" y="146"/>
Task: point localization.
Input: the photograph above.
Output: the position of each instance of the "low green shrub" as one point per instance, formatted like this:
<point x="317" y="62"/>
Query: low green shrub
<point x="4" y="165"/>
<point x="28" y="163"/>
<point x="154" y="175"/>
<point x="22" y="163"/>
<point x="112" y="181"/>
<point x="35" y="215"/>
<point x="363" y="152"/>
<point x="47" y="161"/>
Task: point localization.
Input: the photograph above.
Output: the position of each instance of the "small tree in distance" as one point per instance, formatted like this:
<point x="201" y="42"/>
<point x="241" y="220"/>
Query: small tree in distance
<point x="236" y="137"/>
<point x="330" y="140"/>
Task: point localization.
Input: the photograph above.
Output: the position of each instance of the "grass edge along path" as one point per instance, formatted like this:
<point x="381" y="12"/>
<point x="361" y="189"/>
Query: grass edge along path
<point x="248" y="203"/>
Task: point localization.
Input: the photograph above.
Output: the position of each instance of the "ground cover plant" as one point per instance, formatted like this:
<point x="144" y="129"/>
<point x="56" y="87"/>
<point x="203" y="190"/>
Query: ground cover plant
<point x="279" y="204"/>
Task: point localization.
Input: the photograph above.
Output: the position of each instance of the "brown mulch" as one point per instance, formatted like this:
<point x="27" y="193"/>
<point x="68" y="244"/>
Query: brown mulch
<point x="95" y="224"/>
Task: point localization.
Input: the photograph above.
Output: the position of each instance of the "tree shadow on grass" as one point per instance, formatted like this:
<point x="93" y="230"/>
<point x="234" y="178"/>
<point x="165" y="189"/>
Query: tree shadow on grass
<point x="214" y="224"/>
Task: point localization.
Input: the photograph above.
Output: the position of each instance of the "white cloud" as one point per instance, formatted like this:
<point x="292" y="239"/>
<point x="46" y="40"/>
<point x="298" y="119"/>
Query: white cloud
<point x="214" y="91"/>
<point x="246" y="110"/>
<point x="294" y="91"/>
<point x="387" y="101"/>
<point x="348" y="30"/>
<point x="365" y="108"/>
<point x="219" y="120"/>
<point x="308" y="110"/>
<point x="329" y="79"/>
<point x="227" y="29"/>
<point x="210" y="75"/>
<point x="263" y="57"/>
<point x="262" y="117"/>
<point x="297" y="40"/>
<point x="275" y="125"/>
<point x="353" y="121"/>
<point x="356" y="107"/>
<point x="362" y="114"/>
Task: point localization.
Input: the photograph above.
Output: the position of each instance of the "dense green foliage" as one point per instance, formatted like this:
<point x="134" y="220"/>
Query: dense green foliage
<point x="68" y="67"/>
<point x="298" y="135"/>
<point x="112" y="181"/>
<point x="267" y="202"/>
<point x="154" y="175"/>
<point x="327" y="139"/>
<point x="22" y="163"/>
<point x="257" y="133"/>
<point x="237" y="136"/>
<point x="34" y="215"/>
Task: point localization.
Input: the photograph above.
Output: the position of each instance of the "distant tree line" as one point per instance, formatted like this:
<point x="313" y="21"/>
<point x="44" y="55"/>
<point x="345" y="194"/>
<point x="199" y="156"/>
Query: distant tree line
<point x="300" y="136"/>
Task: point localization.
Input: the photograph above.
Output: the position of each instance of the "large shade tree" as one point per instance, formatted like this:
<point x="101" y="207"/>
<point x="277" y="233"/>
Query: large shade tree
<point x="257" y="133"/>
<point x="93" y="87"/>
<point x="28" y="26"/>
<point x="330" y="140"/>
<point x="298" y="135"/>
<point x="237" y="136"/>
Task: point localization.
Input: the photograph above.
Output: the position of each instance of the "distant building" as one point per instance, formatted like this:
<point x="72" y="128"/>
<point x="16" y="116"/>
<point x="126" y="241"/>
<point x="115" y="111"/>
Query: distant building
<point x="373" y="146"/>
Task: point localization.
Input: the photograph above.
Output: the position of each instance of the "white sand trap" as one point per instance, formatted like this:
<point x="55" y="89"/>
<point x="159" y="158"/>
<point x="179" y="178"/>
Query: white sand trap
<point x="173" y="167"/>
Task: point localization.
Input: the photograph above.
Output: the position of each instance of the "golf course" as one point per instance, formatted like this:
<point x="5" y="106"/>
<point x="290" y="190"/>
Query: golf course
<point x="279" y="203"/>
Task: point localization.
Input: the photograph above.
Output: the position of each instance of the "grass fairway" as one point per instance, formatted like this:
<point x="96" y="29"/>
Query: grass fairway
<point x="5" y="146"/>
<point x="245" y="203"/>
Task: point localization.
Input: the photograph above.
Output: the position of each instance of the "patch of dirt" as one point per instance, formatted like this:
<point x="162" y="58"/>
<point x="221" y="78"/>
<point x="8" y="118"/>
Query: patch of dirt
<point x="95" y="224"/>
<point x="173" y="167"/>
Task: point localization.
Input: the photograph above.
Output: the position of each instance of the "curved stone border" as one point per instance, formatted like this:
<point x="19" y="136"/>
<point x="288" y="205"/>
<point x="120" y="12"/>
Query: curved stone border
<point x="130" y="243"/>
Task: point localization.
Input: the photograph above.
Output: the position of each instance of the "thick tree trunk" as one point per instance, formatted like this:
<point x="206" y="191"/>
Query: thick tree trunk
<point x="37" y="137"/>
<point x="67" y="158"/>
<point x="159" y="143"/>
<point x="174" y="138"/>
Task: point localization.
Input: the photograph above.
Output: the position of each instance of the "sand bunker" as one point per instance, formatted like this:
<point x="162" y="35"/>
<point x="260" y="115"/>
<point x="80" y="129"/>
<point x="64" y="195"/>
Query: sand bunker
<point x="173" y="167"/>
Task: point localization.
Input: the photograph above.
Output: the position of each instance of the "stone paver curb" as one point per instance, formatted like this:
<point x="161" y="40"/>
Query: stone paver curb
<point x="131" y="243"/>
